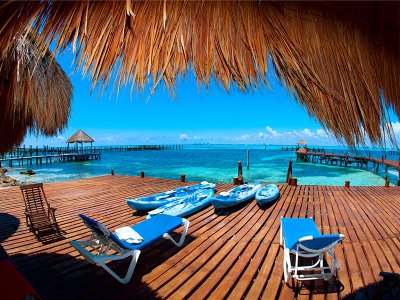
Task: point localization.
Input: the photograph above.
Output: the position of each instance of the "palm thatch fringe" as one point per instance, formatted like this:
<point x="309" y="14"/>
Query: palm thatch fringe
<point x="35" y="93"/>
<point x="340" y="60"/>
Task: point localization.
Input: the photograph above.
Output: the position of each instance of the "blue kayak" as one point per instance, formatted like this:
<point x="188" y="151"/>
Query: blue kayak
<point x="267" y="194"/>
<point x="236" y="195"/>
<point x="185" y="206"/>
<point x="157" y="200"/>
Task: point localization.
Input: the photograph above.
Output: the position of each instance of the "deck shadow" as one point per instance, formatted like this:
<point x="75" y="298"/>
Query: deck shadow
<point x="139" y="213"/>
<point x="315" y="287"/>
<point x="269" y="205"/>
<point x="65" y="276"/>
<point x="386" y="289"/>
<point x="62" y="276"/>
<point x="50" y="237"/>
<point x="230" y="210"/>
<point x="8" y="226"/>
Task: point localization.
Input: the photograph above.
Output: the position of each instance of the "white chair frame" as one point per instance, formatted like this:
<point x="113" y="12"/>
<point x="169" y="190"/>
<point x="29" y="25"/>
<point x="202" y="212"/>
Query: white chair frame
<point x="291" y="270"/>
<point x="97" y="250"/>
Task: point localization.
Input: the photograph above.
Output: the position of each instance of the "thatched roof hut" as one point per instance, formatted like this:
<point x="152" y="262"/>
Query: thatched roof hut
<point x="302" y="142"/>
<point x="35" y="93"/>
<point x="80" y="137"/>
<point x="341" y="60"/>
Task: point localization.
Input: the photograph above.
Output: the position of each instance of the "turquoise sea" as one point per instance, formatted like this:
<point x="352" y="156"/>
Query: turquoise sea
<point x="215" y="163"/>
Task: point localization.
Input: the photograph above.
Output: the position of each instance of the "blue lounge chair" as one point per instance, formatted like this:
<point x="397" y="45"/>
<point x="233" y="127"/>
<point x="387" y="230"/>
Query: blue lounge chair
<point x="302" y="238"/>
<point x="97" y="248"/>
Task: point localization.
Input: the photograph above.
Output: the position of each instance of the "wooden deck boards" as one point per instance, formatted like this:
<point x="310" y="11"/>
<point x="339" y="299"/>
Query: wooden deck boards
<point x="229" y="254"/>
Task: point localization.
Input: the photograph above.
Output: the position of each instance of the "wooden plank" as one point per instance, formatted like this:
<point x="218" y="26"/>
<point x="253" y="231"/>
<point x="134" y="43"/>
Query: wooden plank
<point x="235" y="254"/>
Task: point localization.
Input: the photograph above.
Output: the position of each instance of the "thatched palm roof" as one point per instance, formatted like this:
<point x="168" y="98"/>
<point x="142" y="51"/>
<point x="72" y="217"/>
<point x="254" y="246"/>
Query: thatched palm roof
<point x="301" y="142"/>
<point x="341" y="60"/>
<point x="35" y="93"/>
<point x="80" y="137"/>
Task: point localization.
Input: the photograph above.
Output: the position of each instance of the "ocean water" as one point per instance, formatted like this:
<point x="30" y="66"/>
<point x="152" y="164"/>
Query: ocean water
<point x="215" y="163"/>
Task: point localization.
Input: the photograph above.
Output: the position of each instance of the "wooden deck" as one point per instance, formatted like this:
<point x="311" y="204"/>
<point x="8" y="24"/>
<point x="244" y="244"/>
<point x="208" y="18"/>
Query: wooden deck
<point x="229" y="254"/>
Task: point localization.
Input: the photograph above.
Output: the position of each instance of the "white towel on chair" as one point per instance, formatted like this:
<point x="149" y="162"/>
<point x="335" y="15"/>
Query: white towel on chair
<point x="127" y="234"/>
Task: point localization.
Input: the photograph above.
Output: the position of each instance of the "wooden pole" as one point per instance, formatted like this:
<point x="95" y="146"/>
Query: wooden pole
<point x="248" y="159"/>
<point x="294" y="182"/>
<point x="112" y="172"/>
<point x="240" y="168"/>
<point x="141" y="174"/>
<point x="182" y="178"/>
<point x="387" y="183"/>
<point x="289" y="171"/>
<point x="347" y="183"/>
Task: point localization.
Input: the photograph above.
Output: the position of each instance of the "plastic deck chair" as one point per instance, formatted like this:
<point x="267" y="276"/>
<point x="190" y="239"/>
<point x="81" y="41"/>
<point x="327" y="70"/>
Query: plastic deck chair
<point x="40" y="216"/>
<point x="98" y="247"/>
<point x="302" y="238"/>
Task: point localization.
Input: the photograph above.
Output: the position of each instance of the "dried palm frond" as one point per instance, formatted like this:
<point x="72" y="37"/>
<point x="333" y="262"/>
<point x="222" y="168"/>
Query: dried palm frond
<point x="35" y="93"/>
<point x="340" y="60"/>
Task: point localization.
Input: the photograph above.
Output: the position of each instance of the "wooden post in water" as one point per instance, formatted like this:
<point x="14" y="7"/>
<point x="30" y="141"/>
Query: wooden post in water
<point x="387" y="183"/>
<point x="289" y="171"/>
<point x="141" y="174"/>
<point x="112" y="172"/>
<point x="240" y="168"/>
<point x="248" y="159"/>
<point x="182" y="178"/>
<point x="347" y="183"/>
<point x="293" y="182"/>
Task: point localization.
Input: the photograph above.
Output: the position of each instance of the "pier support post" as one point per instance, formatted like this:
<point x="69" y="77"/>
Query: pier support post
<point x="293" y="182"/>
<point x="112" y="172"/>
<point x="347" y="183"/>
<point x="141" y="174"/>
<point x="240" y="168"/>
<point x="387" y="183"/>
<point x="182" y="178"/>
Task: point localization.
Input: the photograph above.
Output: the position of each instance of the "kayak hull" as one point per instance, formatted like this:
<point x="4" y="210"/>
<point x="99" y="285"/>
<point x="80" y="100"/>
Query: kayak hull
<point x="186" y="206"/>
<point x="160" y="199"/>
<point x="267" y="194"/>
<point x="235" y="196"/>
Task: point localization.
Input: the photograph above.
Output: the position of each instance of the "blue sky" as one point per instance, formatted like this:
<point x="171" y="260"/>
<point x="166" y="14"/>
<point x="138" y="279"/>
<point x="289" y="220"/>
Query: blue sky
<point x="195" y="116"/>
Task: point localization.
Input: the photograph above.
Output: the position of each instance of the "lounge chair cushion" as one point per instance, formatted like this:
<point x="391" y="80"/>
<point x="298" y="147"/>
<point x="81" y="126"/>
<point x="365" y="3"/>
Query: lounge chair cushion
<point x="322" y="241"/>
<point x="294" y="229"/>
<point x="150" y="230"/>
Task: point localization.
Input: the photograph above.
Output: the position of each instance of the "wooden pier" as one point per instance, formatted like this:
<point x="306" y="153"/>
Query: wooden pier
<point x="228" y="254"/>
<point x="29" y="156"/>
<point x="53" y="158"/>
<point x="349" y="161"/>
<point x="295" y="148"/>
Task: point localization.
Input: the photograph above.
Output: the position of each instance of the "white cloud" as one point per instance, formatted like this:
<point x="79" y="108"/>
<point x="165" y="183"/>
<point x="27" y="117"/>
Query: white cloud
<point x="322" y="133"/>
<point x="262" y="135"/>
<point x="243" y="137"/>
<point x="307" y="133"/>
<point x="272" y="132"/>
<point x="61" y="138"/>
<point x="183" y="137"/>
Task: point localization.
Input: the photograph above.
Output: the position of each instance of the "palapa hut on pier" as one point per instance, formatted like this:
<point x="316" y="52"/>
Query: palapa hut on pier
<point x="80" y="137"/>
<point x="302" y="143"/>
<point x="340" y="59"/>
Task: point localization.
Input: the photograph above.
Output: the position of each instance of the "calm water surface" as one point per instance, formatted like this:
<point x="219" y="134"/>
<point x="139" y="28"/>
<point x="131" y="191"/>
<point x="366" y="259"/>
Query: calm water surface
<point x="215" y="163"/>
